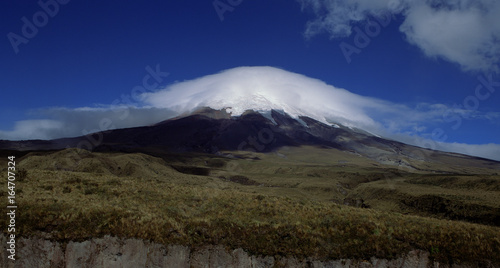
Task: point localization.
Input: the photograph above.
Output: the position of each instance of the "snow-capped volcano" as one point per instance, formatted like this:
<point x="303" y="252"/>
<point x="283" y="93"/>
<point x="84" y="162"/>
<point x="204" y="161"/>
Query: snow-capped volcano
<point x="264" y="89"/>
<point x="269" y="90"/>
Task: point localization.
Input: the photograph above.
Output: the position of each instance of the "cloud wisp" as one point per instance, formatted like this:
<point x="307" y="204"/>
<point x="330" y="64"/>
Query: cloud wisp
<point x="466" y="32"/>
<point x="261" y="89"/>
<point x="66" y="122"/>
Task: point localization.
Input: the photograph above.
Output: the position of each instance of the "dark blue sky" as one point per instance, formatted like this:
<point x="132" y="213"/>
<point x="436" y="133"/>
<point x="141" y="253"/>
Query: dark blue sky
<point x="92" y="52"/>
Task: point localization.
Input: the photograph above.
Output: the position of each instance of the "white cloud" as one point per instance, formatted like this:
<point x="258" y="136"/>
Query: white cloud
<point x="490" y="151"/>
<point x="265" y="88"/>
<point x="33" y="129"/>
<point x="466" y="32"/>
<point x="65" y="122"/>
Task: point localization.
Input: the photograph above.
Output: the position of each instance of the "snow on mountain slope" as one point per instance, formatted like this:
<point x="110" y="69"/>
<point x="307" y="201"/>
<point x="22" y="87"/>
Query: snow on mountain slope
<point x="264" y="89"/>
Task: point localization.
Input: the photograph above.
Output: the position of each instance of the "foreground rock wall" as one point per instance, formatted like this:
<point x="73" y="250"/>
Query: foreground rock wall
<point x="115" y="252"/>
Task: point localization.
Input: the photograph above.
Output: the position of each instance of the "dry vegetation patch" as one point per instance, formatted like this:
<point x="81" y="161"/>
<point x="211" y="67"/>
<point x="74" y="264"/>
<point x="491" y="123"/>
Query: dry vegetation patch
<point x="169" y="207"/>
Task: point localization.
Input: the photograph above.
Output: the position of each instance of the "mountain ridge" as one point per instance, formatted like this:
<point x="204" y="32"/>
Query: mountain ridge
<point x="207" y="130"/>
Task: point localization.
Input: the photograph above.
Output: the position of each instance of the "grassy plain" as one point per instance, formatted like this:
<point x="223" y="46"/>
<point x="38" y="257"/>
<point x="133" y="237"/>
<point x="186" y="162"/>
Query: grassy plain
<point x="302" y="202"/>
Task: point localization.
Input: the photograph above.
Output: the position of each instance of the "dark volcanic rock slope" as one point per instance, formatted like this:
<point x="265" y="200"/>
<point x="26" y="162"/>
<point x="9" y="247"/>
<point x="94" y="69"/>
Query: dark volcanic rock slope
<point x="211" y="131"/>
